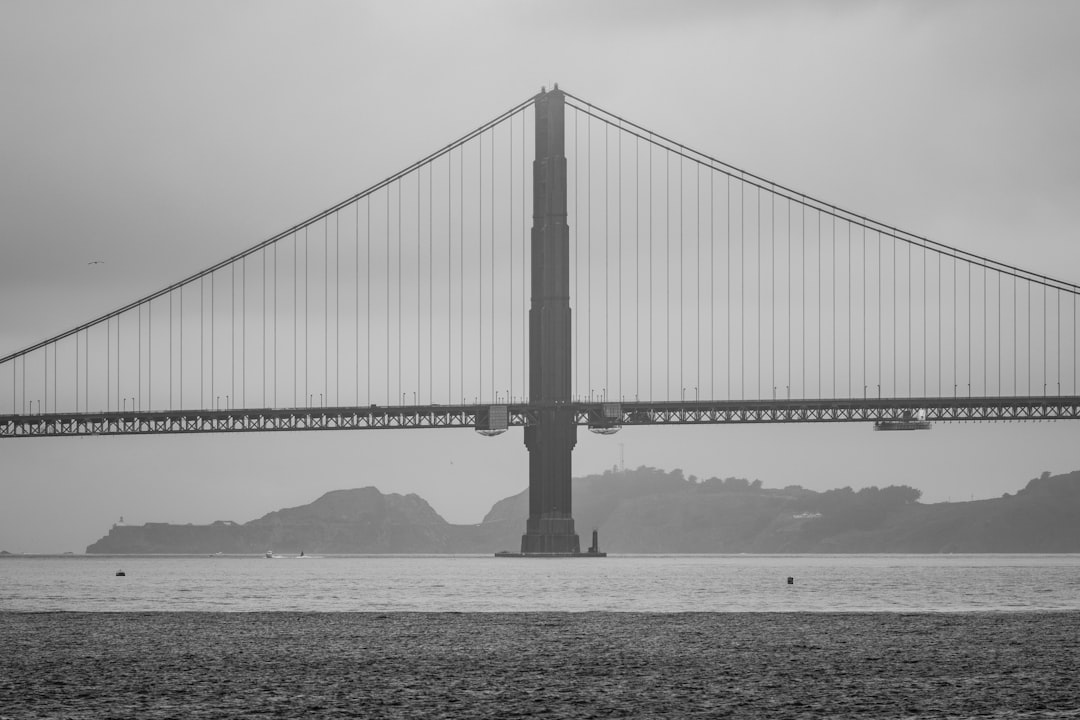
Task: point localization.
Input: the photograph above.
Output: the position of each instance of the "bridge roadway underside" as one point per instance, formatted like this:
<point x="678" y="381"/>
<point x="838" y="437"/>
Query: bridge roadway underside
<point x="598" y="416"/>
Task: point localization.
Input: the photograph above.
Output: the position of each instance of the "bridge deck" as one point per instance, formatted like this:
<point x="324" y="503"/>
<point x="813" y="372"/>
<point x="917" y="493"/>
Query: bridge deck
<point x="596" y="415"/>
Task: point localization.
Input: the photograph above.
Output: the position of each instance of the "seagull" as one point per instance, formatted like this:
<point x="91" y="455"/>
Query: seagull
<point x="96" y="262"/>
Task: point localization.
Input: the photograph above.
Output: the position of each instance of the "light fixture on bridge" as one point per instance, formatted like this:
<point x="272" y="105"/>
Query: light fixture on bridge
<point x="605" y="420"/>
<point x="492" y="420"/>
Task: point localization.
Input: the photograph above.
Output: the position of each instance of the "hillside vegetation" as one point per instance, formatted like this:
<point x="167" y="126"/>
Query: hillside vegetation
<point x="648" y="510"/>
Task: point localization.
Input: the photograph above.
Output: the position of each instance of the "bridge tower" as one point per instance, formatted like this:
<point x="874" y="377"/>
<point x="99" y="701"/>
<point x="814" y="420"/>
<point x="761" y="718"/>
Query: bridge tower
<point x="550" y="527"/>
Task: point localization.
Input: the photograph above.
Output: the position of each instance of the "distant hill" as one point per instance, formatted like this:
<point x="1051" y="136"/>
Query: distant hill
<point x="361" y="520"/>
<point x="652" y="511"/>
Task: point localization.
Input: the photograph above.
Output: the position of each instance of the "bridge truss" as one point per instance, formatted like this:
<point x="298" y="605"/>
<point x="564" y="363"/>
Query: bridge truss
<point x="600" y="417"/>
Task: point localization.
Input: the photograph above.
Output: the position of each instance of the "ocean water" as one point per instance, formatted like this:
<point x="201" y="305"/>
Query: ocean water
<point x="652" y="583"/>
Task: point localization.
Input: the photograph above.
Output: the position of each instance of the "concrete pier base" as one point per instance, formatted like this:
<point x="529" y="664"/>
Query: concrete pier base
<point x="550" y="535"/>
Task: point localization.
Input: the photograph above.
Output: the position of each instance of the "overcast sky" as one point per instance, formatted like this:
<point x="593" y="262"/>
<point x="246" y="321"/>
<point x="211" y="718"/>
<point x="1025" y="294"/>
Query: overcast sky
<point x="162" y="137"/>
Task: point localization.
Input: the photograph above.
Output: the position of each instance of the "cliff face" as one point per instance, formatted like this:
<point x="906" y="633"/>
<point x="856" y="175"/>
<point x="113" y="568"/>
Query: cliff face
<point x="652" y="511"/>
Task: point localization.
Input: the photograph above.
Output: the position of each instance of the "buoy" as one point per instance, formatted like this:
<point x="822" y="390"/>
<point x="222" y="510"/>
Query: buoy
<point x="790" y="580"/>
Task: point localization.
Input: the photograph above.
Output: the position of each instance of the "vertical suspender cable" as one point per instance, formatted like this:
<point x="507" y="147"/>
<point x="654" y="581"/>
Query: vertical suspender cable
<point x="307" y="303"/>
<point x="118" y="317"/>
<point x="170" y="359"/>
<point x="401" y="241"/>
<point x="367" y="307"/>
<point x="575" y="265"/>
<point x="575" y="281"/>
<point x="449" y="281"/>
<point x="213" y="307"/>
<point x="682" y="324"/>
<point x="337" y="309"/>
<point x="232" y="324"/>
<point x="180" y="377"/>
<point x="387" y="262"/>
<point x="461" y="269"/>
<point x="356" y="299"/>
<point x="480" y="268"/>
<point x="295" y="315"/>
<point x="419" y="324"/>
<point x="138" y="375"/>
<point x="492" y="239"/>
<point x="275" y="326"/>
<point x="525" y="258"/>
<point x="667" y="277"/>
<point x="607" y="264"/>
<point x="681" y="288"/>
<point x="431" y="282"/>
<point x="985" y="373"/>
<point x="202" y="337"/>
<point x="697" y="280"/>
<point x="265" y="320"/>
<point x="510" y="246"/>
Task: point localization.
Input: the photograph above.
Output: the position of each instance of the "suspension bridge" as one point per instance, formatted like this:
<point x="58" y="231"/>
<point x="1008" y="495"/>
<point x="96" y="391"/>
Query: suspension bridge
<point x="561" y="267"/>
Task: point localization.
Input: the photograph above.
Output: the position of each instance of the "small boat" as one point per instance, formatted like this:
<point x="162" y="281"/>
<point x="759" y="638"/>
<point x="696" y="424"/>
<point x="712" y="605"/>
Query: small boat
<point x="269" y="554"/>
<point x="121" y="573"/>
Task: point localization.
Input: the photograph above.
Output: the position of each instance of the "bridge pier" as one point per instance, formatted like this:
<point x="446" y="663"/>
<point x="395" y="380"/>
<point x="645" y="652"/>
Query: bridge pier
<point x="550" y="527"/>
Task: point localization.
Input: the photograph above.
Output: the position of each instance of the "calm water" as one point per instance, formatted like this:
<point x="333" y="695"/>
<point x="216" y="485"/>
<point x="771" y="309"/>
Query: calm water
<point x="716" y="583"/>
